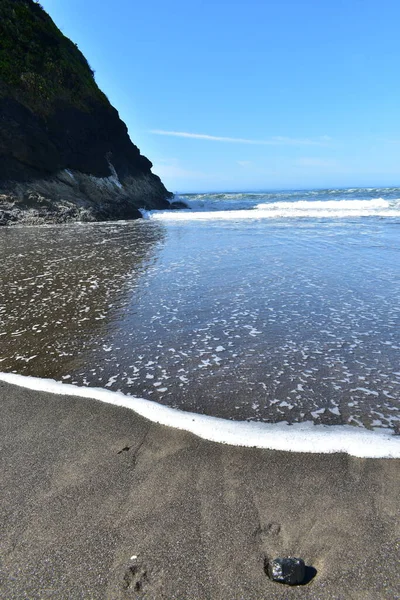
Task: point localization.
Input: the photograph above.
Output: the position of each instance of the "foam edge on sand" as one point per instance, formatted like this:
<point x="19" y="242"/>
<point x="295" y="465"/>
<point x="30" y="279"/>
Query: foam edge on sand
<point x="299" y="437"/>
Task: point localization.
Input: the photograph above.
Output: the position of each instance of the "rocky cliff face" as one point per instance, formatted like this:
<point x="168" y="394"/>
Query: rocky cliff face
<point x="64" y="152"/>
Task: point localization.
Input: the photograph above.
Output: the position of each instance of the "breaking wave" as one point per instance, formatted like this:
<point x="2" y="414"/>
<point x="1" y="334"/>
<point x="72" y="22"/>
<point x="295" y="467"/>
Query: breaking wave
<point x="247" y="206"/>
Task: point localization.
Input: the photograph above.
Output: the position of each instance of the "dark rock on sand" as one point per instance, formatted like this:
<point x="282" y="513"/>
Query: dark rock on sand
<point x="65" y="154"/>
<point x="288" y="570"/>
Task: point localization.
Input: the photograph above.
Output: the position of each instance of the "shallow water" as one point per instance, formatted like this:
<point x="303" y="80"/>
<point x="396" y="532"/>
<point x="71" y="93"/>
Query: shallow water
<point x="291" y="314"/>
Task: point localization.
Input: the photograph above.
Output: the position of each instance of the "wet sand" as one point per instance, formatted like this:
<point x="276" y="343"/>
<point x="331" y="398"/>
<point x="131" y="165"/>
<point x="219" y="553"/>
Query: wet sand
<point x="86" y="486"/>
<point x="282" y="321"/>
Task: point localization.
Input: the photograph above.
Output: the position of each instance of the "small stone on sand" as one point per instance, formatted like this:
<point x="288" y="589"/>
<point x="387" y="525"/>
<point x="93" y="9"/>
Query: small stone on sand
<point x="288" y="570"/>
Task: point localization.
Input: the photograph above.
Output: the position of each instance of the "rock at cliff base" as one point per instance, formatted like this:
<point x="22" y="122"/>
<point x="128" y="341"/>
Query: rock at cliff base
<point x="178" y="205"/>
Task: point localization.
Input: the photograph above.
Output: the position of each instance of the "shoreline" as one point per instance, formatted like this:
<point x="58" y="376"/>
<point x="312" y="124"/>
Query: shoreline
<point x="304" y="437"/>
<point x="88" y="486"/>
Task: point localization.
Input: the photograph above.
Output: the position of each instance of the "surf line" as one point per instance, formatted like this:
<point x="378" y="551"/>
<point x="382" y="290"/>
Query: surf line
<point x="298" y="437"/>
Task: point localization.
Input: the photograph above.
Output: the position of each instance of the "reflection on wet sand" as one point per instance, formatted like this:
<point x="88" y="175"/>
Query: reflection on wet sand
<point x="61" y="287"/>
<point x="266" y="322"/>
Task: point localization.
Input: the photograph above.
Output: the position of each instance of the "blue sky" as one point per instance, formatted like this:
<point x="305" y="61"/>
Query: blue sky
<point x="244" y="96"/>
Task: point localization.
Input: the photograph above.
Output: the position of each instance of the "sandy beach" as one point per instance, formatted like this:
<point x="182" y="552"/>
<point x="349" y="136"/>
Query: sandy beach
<point x="97" y="502"/>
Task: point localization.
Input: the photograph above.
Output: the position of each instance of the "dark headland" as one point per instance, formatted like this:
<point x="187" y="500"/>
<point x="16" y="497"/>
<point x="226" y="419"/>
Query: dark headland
<point x="65" y="155"/>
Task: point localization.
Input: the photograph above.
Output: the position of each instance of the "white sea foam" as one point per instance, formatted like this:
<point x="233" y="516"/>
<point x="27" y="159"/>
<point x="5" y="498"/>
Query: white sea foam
<point x="340" y="205"/>
<point x="241" y="215"/>
<point x="315" y="209"/>
<point x="299" y="437"/>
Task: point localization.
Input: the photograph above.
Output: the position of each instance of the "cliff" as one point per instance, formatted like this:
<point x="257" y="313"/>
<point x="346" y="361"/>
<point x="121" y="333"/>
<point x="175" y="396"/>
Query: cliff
<point x="64" y="152"/>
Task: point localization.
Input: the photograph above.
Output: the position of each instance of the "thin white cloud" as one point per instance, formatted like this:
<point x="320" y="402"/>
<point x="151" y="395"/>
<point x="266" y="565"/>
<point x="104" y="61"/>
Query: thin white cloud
<point x="316" y="162"/>
<point x="273" y="141"/>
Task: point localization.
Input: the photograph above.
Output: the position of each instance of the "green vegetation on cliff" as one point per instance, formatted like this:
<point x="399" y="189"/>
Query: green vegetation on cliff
<point x="39" y="63"/>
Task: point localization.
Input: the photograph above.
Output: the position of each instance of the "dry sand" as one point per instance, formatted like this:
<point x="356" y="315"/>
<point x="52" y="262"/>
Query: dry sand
<point x="86" y="486"/>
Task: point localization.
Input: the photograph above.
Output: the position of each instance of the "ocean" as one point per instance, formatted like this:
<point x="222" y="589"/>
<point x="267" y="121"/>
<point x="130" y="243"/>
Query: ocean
<point x="277" y="307"/>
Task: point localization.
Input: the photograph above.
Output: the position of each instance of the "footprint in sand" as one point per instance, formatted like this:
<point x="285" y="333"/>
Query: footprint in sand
<point x="135" y="578"/>
<point x="265" y="532"/>
<point x="271" y="539"/>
